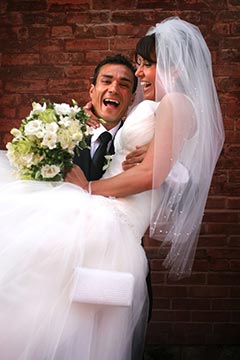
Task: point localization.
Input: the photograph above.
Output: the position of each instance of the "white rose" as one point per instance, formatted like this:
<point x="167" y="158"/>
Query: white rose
<point x="77" y="136"/>
<point x="73" y="127"/>
<point x="65" y="121"/>
<point x="27" y="159"/>
<point x="52" y="127"/>
<point x="33" y="127"/>
<point x="40" y="134"/>
<point x="50" y="140"/>
<point x="49" y="171"/>
<point x="37" y="108"/>
<point x="62" y="109"/>
<point x="16" y="133"/>
<point x="74" y="110"/>
<point x="89" y="131"/>
<point x="64" y="138"/>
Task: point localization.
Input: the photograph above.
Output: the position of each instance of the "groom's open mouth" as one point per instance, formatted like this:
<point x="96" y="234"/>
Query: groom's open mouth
<point x="111" y="103"/>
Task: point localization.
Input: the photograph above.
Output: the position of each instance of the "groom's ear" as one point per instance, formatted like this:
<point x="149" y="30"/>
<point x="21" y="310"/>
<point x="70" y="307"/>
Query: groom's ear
<point x="91" y="90"/>
<point x="132" y="99"/>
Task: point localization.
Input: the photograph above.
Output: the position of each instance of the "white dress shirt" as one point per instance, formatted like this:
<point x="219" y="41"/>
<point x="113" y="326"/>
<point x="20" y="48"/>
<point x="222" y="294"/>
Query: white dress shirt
<point x="97" y="132"/>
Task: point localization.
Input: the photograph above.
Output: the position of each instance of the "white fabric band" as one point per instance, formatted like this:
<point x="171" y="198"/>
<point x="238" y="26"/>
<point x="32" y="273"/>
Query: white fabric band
<point x="94" y="286"/>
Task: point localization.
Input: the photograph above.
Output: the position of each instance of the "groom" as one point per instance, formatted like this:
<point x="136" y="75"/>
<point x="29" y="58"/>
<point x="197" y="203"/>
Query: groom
<point x="112" y="91"/>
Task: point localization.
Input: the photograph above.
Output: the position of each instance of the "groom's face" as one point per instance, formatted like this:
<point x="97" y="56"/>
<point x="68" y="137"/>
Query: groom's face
<point x="112" y="93"/>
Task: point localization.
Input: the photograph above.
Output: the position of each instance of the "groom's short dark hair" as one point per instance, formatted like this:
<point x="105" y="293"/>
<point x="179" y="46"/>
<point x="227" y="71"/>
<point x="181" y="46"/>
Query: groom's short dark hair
<point x="116" y="60"/>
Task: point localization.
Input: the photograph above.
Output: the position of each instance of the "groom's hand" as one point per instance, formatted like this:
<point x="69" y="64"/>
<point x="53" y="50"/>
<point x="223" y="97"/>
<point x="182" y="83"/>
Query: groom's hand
<point x="77" y="177"/>
<point x="135" y="157"/>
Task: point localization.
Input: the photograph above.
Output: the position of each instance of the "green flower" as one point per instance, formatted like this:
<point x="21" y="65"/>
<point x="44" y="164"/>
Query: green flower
<point x="48" y="116"/>
<point x="23" y="146"/>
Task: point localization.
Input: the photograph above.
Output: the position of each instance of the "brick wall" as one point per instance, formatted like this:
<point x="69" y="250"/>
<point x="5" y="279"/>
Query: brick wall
<point x="49" y="49"/>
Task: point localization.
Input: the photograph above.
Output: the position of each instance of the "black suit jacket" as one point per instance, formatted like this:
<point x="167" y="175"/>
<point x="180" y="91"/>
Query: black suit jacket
<point x="83" y="160"/>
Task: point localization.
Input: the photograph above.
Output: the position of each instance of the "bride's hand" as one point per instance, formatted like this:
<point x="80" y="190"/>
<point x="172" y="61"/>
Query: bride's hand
<point x="77" y="177"/>
<point x="93" y="120"/>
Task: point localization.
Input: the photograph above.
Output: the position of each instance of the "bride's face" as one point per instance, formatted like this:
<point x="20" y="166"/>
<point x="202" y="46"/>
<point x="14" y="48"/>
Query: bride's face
<point x="146" y="72"/>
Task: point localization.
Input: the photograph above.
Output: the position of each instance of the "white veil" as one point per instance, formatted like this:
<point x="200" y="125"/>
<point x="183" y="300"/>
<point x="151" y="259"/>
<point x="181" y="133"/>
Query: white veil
<point x="184" y="66"/>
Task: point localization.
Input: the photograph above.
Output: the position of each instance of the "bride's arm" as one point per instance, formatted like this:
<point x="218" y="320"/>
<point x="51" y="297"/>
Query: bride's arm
<point x="139" y="178"/>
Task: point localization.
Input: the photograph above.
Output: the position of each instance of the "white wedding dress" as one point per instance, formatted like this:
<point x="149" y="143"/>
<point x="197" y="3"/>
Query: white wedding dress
<point x="46" y="230"/>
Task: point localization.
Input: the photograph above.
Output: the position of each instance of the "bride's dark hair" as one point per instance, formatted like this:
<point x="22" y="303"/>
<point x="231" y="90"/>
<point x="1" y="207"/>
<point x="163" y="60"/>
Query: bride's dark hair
<point x="146" y="48"/>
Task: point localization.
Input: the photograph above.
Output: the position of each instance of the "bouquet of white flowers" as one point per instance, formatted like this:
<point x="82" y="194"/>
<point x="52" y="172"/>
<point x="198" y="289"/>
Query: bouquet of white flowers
<point x="43" y="146"/>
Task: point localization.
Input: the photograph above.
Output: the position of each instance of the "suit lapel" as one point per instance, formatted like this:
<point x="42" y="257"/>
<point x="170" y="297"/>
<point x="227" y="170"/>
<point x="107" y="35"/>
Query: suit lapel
<point x="83" y="160"/>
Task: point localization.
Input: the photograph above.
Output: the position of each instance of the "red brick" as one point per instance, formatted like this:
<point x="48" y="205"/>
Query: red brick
<point x="20" y="59"/>
<point x="26" y="86"/>
<point x="221" y="228"/>
<point x="228" y="14"/>
<point x="58" y="86"/>
<point x="109" y="4"/>
<point x="51" y="45"/>
<point x="210" y="316"/>
<point x="64" y="5"/>
<point x="209" y="291"/>
<point x="234" y="240"/>
<point x="229" y="278"/>
<point x="195" y="278"/>
<point x="11" y="100"/>
<point x="190" y="329"/>
<point x="94" y="57"/>
<point x="222" y="29"/>
<point x="235" y="316"/>
<point x="86" y="44"/>
<point x="235" y="265"/>
<point x="235" y="292"/>
<point x="216" y="202"/>
<point x="200" y="265"/>
<point x="6" y="124"/>
<point x="44" y="18"/>
<point x="191" y="303"/>
<point x="11" y="19"/>
<point x="224" y="253"/>
<point x="171" y="316"/>
<point x="161" y="303"/>
<point x="128" y="30"/>
<point x="230" y="216"/>
<point x="229" y="55"/>
<point x="134" y="17"/>
<point x="232" y="188"/>
<point x="79" y="72"/>
<point x="93" y="17"/>
<point x="61" y="58"/>
<point x="169" y="291"/>
<point x="9" y="112"/>
<point x="118" y="44"/>
<point x="230" y="333"/>
<point x="62" y="32"/>
<point x="211" y="241"/>
<point x="217" y="265"/>
<point x="158" y="277"/>
<point x="25" y="5"/>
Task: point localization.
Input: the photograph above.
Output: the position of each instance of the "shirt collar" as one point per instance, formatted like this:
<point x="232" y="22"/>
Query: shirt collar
<point x="98" y="131"/>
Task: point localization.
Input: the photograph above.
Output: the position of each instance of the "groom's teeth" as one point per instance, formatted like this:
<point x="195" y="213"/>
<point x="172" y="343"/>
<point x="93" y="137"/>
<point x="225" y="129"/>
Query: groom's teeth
<point x="111" y="102"/>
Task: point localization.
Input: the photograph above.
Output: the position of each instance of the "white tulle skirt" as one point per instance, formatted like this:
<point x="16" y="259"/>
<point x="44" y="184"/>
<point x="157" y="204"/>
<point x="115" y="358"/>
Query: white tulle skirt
<point x="45" y="232"/>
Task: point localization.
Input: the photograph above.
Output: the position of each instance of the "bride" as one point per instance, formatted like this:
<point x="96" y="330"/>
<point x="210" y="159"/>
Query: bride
<point x="49" y="230"/>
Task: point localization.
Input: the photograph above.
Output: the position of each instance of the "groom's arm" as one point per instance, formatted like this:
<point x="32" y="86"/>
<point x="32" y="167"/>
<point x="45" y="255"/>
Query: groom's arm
<point x="135" y="157"/>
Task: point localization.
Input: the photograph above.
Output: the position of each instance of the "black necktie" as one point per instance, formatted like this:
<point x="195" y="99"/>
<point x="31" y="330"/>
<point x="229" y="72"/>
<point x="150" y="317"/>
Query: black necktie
<point x="98" y="159"/>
